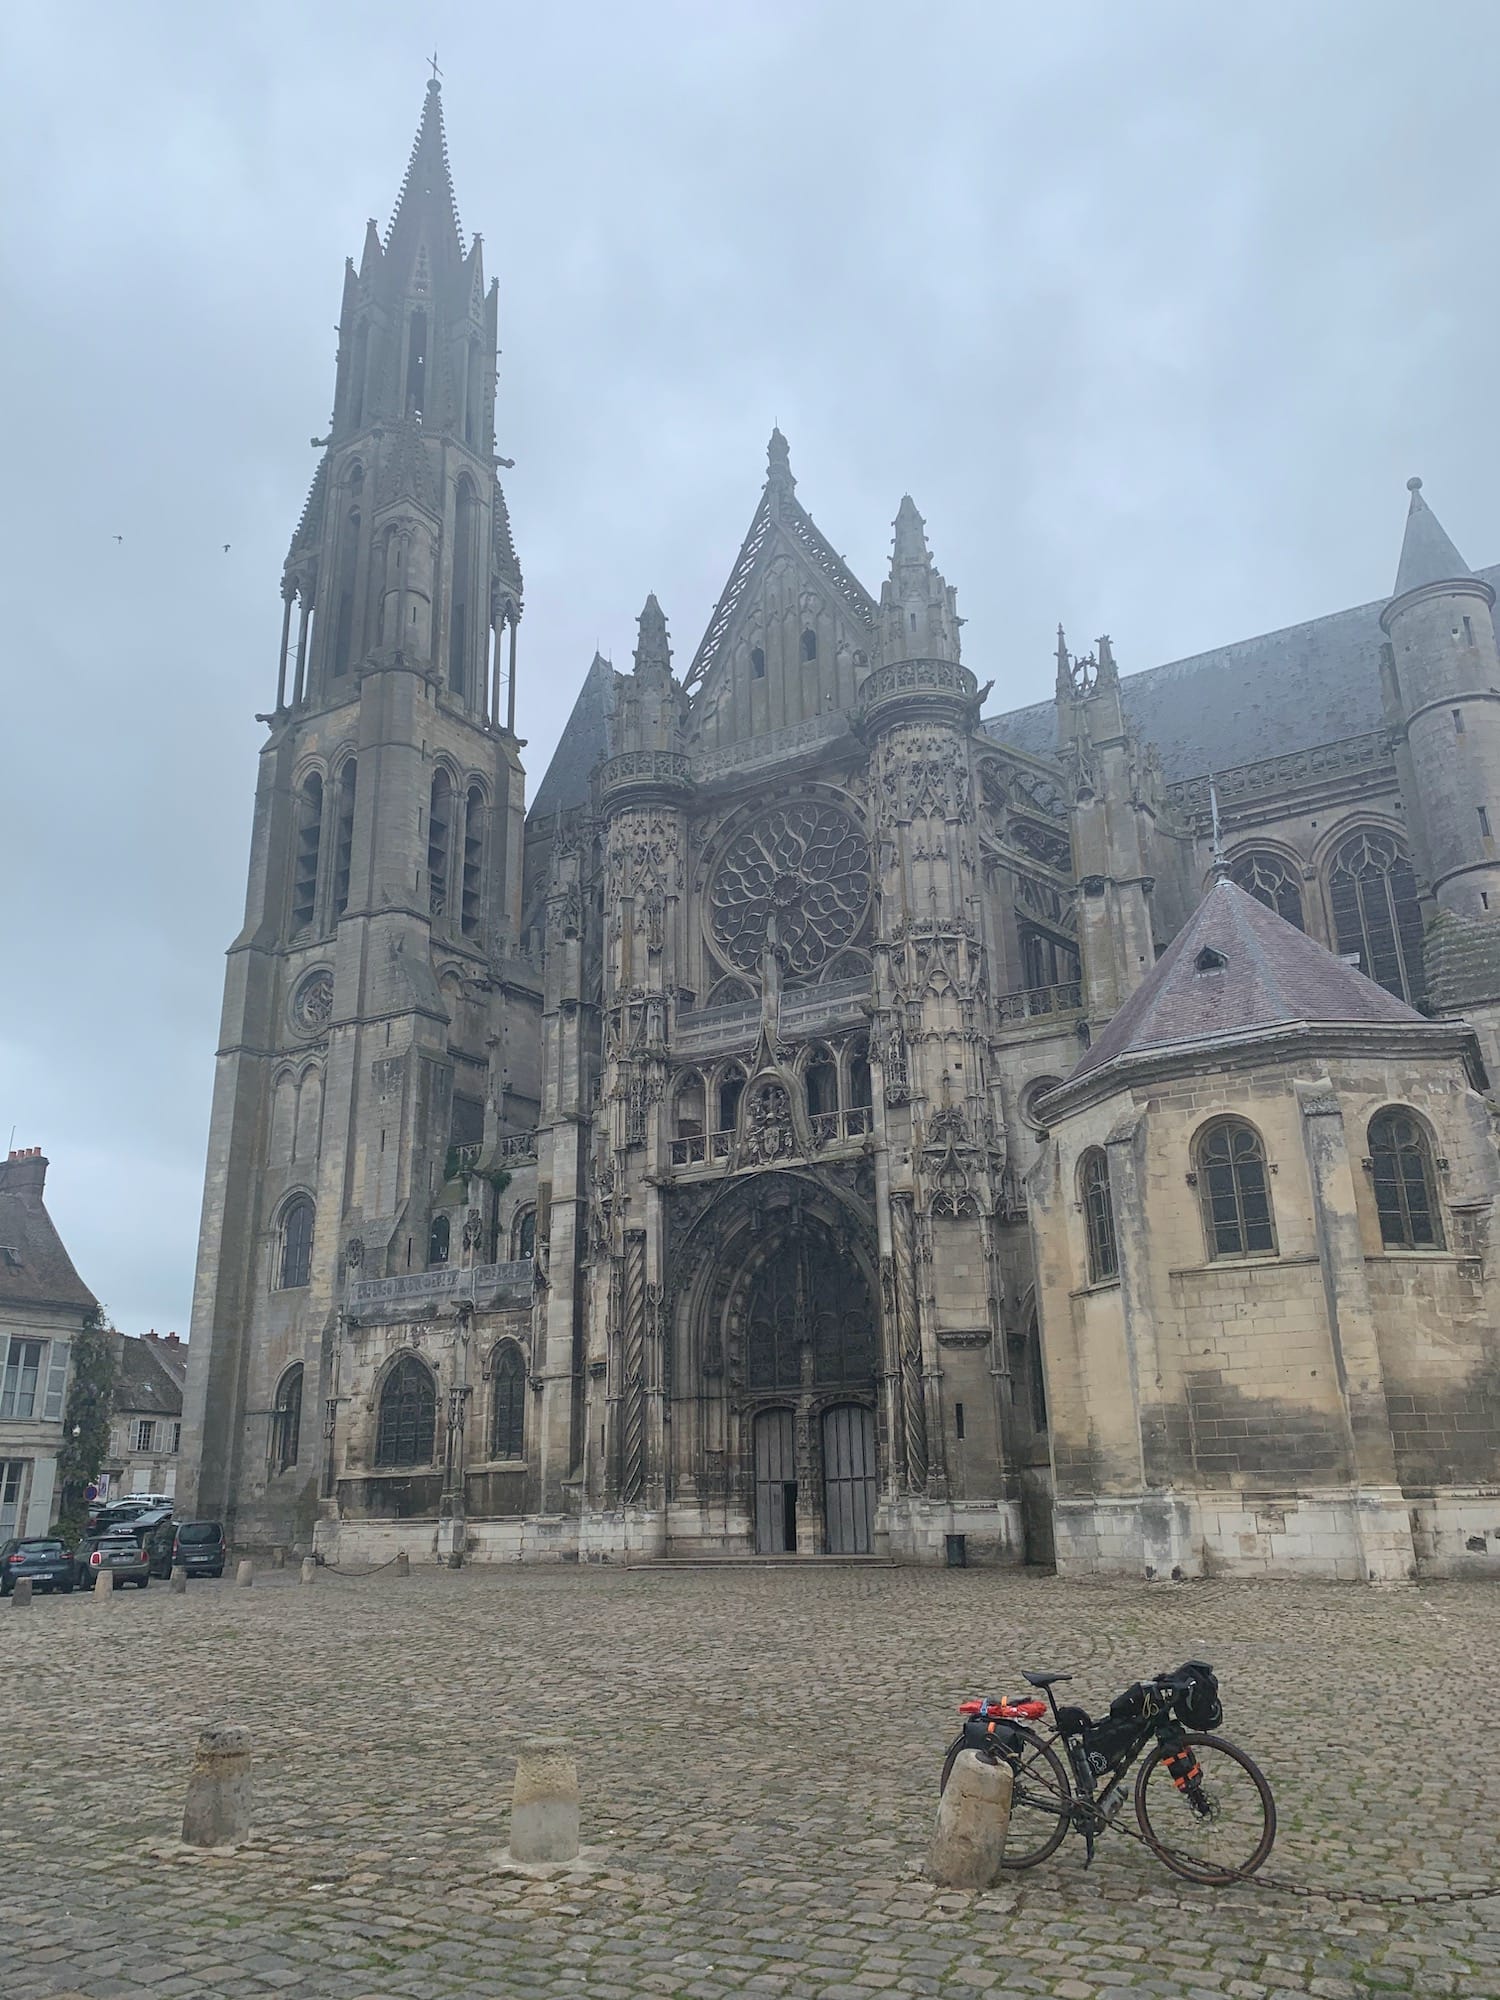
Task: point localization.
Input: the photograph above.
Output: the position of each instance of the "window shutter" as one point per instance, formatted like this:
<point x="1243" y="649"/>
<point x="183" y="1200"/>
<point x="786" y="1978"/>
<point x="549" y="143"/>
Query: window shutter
<point x="57" y="1382"/>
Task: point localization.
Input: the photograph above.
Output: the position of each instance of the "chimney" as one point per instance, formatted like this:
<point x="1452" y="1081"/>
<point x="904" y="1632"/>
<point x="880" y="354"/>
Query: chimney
<point x="24" y="1173"/>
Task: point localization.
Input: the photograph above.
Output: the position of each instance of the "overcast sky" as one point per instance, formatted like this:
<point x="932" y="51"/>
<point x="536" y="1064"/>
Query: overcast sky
<point x="1152" y="307"/>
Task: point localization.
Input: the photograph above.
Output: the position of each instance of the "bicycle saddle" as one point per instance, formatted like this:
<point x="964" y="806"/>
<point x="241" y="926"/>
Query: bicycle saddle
<point x="1044" y="1680"/>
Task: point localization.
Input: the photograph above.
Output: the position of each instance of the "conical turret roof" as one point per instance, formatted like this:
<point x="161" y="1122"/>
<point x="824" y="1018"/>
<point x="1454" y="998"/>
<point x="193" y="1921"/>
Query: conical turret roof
<point x="1427" y="555"/>
<point x="1235" y="969"/>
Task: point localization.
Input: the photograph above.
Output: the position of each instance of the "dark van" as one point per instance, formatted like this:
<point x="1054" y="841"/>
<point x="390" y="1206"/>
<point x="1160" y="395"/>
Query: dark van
<point x="197" y="1546"/>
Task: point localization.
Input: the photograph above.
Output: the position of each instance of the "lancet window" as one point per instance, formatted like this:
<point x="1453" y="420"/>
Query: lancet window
<point x="1233" y="1190"/>
<point x="1272" y="881"/>
<point x="1376" y="915"/>
<point x="407" y="1424"/>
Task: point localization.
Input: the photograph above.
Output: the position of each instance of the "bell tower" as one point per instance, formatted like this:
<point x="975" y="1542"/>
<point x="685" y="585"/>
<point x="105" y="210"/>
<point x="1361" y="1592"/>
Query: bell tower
<point x="364" y="995"/>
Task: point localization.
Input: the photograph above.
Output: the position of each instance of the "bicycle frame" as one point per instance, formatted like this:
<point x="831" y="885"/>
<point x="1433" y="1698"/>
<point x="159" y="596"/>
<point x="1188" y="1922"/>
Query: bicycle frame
<point x="1096" y="1808"/>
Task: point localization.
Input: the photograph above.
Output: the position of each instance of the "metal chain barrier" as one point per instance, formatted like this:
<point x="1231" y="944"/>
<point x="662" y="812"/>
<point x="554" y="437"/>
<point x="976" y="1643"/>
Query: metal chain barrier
<point x="352" y="1576"/>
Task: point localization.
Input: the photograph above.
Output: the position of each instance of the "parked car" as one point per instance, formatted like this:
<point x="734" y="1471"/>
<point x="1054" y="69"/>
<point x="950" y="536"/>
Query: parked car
<point x="41" y="1559"/>
<point x="198" y="1546"/>
<point x="117" y="1551"/>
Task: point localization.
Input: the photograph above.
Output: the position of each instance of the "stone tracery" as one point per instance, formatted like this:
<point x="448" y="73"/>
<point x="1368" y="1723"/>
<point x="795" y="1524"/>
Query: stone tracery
<point x="798" y="878"/>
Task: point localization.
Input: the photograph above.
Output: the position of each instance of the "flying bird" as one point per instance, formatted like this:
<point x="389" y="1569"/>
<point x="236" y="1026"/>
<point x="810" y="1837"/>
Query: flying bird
<point x="119" y="538"/>
<point x="226" y="548"/>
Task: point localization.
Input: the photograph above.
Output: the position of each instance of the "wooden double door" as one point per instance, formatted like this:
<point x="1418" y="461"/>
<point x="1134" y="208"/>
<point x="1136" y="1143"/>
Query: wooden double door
<point x="846" y="1472"/>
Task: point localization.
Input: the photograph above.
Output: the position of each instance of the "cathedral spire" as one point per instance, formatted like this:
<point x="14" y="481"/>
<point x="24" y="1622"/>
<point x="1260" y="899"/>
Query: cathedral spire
<point x="427" y="208"/>
<point x="1427" y="555"/>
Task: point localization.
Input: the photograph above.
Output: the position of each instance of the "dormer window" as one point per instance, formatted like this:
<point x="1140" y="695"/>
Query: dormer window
<point x="1209" y="960"/>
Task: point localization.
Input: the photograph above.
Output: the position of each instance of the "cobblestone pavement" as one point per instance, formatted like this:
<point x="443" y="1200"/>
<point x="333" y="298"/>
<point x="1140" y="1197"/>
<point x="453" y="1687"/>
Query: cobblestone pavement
<point x="761" y="1751"/>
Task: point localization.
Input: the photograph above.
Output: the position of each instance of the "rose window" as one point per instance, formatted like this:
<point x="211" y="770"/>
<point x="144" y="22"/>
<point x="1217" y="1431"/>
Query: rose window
<point x="799" y="877"/>
<point x="312" y="1003"/>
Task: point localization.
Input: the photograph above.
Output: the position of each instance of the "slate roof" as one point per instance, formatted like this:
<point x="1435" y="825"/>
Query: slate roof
<point x="1263" y="697"/>
<point x="149" y="1377"/>
<point x="1427" y="555"/>
<point x="37" y="1271"/>
<point x="585" y="739"/>
<point x="1273" y="976"/>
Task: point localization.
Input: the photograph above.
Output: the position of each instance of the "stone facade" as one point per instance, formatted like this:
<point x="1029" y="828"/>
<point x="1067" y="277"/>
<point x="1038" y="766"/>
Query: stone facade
<point x="650" y="1176"/>
<point x="145" y="1433"/>
<point x="43" y="1305"/>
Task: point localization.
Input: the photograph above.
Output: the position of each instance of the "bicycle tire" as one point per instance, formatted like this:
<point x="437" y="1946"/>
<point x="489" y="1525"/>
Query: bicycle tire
<point x="1162" y="1847"/>
<point x="1026" y="1792"/>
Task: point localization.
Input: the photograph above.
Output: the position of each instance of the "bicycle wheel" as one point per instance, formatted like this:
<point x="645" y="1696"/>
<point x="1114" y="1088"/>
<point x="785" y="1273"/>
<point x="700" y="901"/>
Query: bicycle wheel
<point x="1039" y="1801"/>
<point x="1220" y="1826"/>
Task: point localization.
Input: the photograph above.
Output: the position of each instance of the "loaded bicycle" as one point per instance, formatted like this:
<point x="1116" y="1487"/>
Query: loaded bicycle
<point x="1202" y="1805"/>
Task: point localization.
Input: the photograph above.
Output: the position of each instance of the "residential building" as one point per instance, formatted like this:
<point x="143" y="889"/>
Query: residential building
<point x="44" y="1304"/>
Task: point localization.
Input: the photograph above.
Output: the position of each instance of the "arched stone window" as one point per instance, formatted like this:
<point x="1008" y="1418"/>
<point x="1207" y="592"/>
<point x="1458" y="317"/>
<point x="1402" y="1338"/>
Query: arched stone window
<point x="860" y="1096"/>
<point x="344" y="601"/>
<point x="307" y="847"/>
<point x="296" y="1243"/>
<point x="525" y="1234"/>
<point x="1376" y="916"/>
<point x="1233" y="1190"/>
<point x="508" y="1403"/>
<point x="731" y="1090"/>
<point x="1028" y="1388"/>
<point x="473" y="860"/>
<point x="439" y="835"/>
<point x="407" y="1424"/>
<point x="1099" y="1216"/>
<point x="286" y="1420"/>
<point x="343" y="837"/>
<point x="439" y="1241"/>
<point x="688" y="1107"/>
<point x="1270" y="880"/>
<point x="821" y="1079"/>
<point x="1406" y="1196"/>
<point x="809" y="644"/>
<point x="757" y="663"/>
<point x="460" y="621"/>
<point x="416" y="363"/>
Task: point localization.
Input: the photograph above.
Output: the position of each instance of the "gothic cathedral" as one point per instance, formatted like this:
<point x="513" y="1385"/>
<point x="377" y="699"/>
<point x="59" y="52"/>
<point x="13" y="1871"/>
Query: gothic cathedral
<point x="835" y="1120"/>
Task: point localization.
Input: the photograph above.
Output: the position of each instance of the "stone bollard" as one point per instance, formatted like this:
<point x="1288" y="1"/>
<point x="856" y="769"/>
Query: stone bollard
<point x="245" y="1574"/>
<point x="177" y="1581"/>
<point x="403" y="1563"/>
<point x="309" y="1570"/>
<point x="973" y="1816"/>
<point x="104" y="1588"/>
<point x="21" y="1592"/>
<point x="278" y="1557"/>
<point x="544" y="1803"/>
<point x="217" y="1812"/>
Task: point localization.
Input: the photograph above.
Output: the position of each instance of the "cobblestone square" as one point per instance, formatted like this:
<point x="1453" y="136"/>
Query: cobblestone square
<point x="760" y="1749"/>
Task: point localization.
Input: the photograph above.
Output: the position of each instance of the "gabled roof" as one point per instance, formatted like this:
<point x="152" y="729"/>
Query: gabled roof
<point x="148" y="1377"/>
<point x="1269" y="696"/>
<point x="1427" y="555"/>
<point x="778" y="509"/>
<point x="1234" y="968"/>
<point x="585" y="739"/>
<point x="35" y="1269"/>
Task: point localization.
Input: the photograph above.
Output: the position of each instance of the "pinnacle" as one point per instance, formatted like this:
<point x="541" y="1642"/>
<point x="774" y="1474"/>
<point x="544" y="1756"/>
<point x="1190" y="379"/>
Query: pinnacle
<point x="778" y="457"/>
<point x="911" y="535"/>
<point x="1427" y="555"/>
<point x="652" y="644"/>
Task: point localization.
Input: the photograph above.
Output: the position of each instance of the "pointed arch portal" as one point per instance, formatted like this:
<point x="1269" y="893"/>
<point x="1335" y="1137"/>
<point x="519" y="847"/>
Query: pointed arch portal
<point x="781" y="1330"/>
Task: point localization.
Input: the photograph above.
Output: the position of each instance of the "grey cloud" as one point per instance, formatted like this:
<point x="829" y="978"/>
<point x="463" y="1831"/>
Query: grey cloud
<point x="1153" y="308"/>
